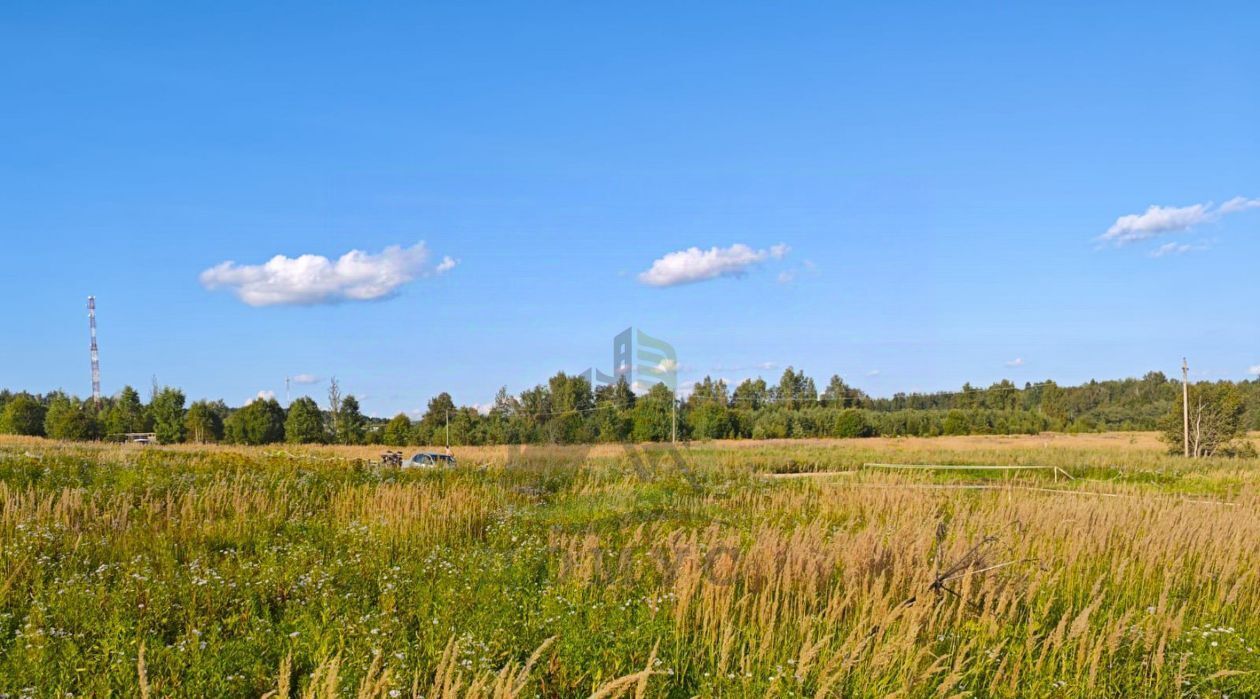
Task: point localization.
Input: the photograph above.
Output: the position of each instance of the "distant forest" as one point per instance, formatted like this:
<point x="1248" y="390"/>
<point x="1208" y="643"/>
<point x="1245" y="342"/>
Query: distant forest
<point x="567" y="410"/>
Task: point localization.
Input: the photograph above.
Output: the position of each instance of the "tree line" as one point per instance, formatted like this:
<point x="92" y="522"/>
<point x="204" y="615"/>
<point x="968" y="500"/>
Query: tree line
<point x="568" y="409"/>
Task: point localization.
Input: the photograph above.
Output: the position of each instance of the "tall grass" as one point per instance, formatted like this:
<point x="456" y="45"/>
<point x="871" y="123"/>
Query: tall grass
<point x="575" y="572"/>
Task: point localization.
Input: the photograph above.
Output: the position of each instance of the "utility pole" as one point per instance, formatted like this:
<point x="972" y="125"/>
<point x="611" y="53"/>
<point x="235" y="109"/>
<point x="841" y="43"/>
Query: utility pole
<point x="1185" y="406"/>
<point x="448" y="431"/>
<point x="673" y="419"/>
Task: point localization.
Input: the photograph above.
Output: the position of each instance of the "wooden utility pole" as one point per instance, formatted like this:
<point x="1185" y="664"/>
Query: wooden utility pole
<point x="1185" y="406"/>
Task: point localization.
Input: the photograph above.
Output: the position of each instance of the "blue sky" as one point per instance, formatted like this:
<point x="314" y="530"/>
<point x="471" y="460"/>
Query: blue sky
<point x="942" y="179"/>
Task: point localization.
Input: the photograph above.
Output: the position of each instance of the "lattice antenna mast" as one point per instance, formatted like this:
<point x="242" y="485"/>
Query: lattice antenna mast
<point x="96" y="360"/>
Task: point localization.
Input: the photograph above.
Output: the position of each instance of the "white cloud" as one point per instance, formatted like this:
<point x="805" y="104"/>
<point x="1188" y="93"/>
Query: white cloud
<point x="1158" y="220"/>
<point x="667" y="365"/>
<point x="787" y="277"/>
<point x="262" y="395"/>
<point x="1174" y="249"/>
<point x="304" y="379"/>
<point x="1254" y="371"/>
<point x="696" y="265"/>
<point x="1016" y="362"/>
<point x="873" y="372"/>
<point x="1155" y="221"/>
<point x="1239" y="204"/>
<point x="447" y="264"/>
<point x="314" y="279"/>
<point x="762" y="366"/>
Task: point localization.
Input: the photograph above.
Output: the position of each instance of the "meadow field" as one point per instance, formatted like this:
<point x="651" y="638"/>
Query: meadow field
<point x="732" y="569"/>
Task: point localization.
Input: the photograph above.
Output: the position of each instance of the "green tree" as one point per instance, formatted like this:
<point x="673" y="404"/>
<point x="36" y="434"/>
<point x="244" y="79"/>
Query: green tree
<point x="795" y="389"/>
<point x="771" y="423"/>
<point x="397" y="431"/>
<point x="852" y="423"/>
<point x="127" y="414"/>
<point x="23" y="415"/>
<point x="841" y="395"/>
<point x="1217" y="424"/>
<point x="431" y="429"/>
<point x="711" y="420"/>
<point x="203" y="423"/>
<point x="351" y="425"/>
<point x="707" y="391"/>
<point x="167" y="409"/>
<point x="652" y="415"/>
<point x="70" y="419"/>
<point x="751" y="394"/>
<point x="304" y="423"/>
<point x="571" y="400"/>
<point x="956" y="423"/>
<point x="614" y="420"/>
<point x="259" y="422"/>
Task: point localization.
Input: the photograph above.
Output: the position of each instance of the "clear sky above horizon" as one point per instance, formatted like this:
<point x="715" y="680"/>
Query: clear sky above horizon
<point x="910" y="195"/>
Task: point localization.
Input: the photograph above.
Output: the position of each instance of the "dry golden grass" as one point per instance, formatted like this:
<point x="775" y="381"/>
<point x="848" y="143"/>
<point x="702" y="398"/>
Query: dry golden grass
<point x="566" y="571"/>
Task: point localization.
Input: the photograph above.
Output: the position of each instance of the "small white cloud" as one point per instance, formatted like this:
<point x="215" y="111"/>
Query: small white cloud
<point x="1016" y="362"/>
<point x="667" y="365"/>
<point x="304" y="379"/>
<point x="762" y="366"/>
<point x="1174" y="249"/>
<point x="873" y="372"/>
<point x="1158" y="220"/>
<point x="787" y="277"/>
<point x="314" y="279"/>
<point x="696" y="265"/>
<point x="262" y="395"/>
<point x="1254" y="371"/>
<point x="483" y="408"/>
<point x="1155" y="221"/>
<point x="447" y="264"/>
<point x="1239" y="204"/>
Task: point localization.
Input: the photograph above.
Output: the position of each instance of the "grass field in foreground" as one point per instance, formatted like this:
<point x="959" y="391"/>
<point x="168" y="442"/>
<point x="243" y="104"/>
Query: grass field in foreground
<point x="562" y="572"/>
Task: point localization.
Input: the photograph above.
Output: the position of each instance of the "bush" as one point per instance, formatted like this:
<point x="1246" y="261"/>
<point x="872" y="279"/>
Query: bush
<point x="852" y="424"/>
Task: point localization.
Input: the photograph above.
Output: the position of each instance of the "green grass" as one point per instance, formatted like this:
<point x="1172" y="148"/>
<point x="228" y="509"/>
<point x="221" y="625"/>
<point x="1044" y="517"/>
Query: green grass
<point x="222" y="564"/>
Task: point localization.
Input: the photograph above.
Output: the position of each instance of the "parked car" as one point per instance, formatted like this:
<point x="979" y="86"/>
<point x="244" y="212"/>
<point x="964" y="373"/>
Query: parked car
<point x="428" y="459"/>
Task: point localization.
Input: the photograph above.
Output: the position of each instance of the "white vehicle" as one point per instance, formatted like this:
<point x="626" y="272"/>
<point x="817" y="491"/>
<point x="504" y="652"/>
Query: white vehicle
<point x="428" y="459"/>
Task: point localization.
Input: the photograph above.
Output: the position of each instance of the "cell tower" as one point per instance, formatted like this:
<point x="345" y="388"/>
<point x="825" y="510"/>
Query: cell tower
<point x="96" y="361"/>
